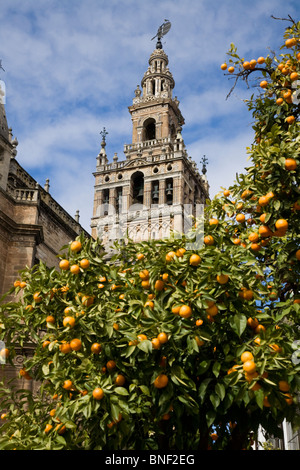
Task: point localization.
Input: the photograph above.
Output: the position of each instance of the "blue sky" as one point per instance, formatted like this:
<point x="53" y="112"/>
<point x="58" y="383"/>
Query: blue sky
<point x="71" y="68"/>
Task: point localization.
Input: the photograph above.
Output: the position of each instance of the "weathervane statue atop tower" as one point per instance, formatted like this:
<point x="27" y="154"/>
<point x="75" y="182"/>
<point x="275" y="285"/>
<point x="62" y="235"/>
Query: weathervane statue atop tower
<point x="162" y="31"/>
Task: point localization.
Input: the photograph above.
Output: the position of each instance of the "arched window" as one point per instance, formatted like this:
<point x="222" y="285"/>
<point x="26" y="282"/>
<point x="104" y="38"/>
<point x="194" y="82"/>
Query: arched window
<point x="137" y="181"/>
<point x="149" y="131"/>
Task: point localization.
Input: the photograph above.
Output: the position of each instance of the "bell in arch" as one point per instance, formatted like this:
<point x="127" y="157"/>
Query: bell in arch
<point x="140" y="192"/>
<point x="169" y="189"/>
<point x="155" y="192"/>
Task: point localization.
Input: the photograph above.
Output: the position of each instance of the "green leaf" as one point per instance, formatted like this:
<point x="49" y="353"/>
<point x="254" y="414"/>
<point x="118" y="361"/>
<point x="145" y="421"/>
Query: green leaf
<point x="121" y="391"/>
<point x="145" y="390"/>
<point x="210" y="417"/>
<point x="145" y="346"/>
<point x="220" y="391"/>
<point x="178" y="375"/>
<point x="216" y="368"/>
<point x="238" y="323"/>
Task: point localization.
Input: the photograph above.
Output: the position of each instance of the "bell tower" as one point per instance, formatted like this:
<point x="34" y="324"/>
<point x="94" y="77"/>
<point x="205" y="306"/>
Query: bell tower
<point x="157" y="187"/>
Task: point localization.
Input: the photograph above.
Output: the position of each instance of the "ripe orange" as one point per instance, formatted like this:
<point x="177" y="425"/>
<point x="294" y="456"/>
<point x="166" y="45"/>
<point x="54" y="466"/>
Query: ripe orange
<point x="75" y="269"/>
<point x="290" y="164"/>
<point x="162" y="338"/>
<point x="208" y="240"/>
<point x="281" y="224"/>
<point x="246" y="294"/>
<point x="68" y="384"/>
<point x="293" y="76"/>
<point x="199" y="341"/>
<point x="246" y="193"/>
<point x="291" y="42"/>
<point x="249" y="367"/>
<point x="159" y="285"/>
<point x="251" y="376"/>
<point x="50" y="319"/>
<point x="65" y="348"/>
<point x="60" y="428"/>
<point x="75" y="344"/>
<point x="180" y="252"/>
<point x="275" y="348"/>
<point x="149" y="304"/>
<point x="110" y="365"/>
<point x="199" y="322"/>
<point x="84" y="263"/>
<point x="145" y="284"/>
<point x="261" y="60"/>
<point x="212" y="310"/>
<point x="142" y="337"/>
<point x="156" y="343"/>
<point x="213" y="221"/>
<point x="48" y="428"/>
<point x="252" y="322"/>
<point x="64" y="264"/>
<point x="69" y="321"/>
<point x="263" y="84"/>
<point x="195" y="260"/>
<point x="87" y="300"/>
<point x="253" y="237"/>
<point x="230" y="69"/>
<point x="185" y="311"/>
<point x="247" y="356"/>
<point x="140" y="256"/>
<point x="120" y="380"/>
<point x="289" y="398"/>
<point x="176" y="308"/>
<point x="144" y="275"/>
<point x="223" y="66"/>
<point x="96" y="348"/>
<point x="298" y="255"/>
<point x="266" y="402"/>
<point x="98" y="393"/>
<point x="76" y="246"/>
<point x="265" y="231"/>
<point x="37" y="297"/>
<point x="263" y="200"/>
<point x="161" y="381"/>
<point x="214" y="436"/>
<point x="260" y="329"/>
<point x="170" y="256"/>
<point x="240" y="218"/>
<point x="4" y="353"/>
<point x="283" y="385"/>
<point x="222" y="278"/>
<point x="255" y="246"/>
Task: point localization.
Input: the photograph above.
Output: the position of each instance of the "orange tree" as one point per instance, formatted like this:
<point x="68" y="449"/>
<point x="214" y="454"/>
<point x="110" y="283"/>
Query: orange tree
<point x="165" y="347"/>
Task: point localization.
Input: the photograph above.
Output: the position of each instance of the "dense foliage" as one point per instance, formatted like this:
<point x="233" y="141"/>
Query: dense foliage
<point x="145" y="351"/>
